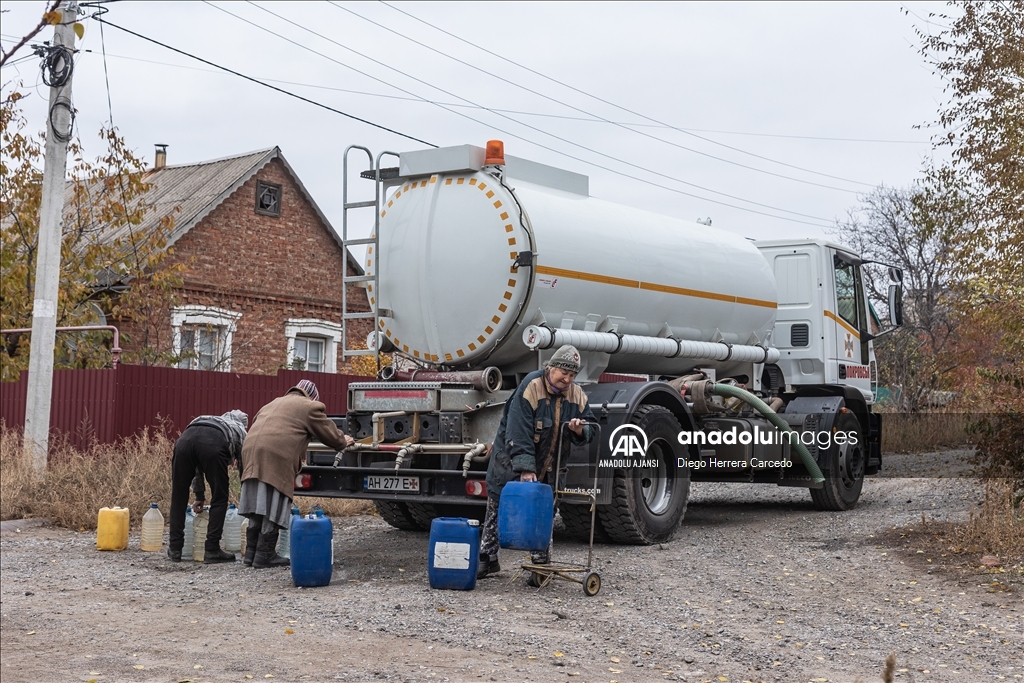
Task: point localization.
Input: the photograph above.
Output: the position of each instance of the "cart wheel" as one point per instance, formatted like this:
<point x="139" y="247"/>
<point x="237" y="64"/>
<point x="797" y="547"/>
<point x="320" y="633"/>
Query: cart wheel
<point x="592" y="584"/>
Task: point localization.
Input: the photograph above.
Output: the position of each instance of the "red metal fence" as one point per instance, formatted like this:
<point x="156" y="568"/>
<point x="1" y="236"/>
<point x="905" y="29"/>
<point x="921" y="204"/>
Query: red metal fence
<point x="107" y="405"/>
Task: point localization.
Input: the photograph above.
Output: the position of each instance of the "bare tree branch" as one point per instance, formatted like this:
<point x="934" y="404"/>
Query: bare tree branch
<point x="43" y="23"/>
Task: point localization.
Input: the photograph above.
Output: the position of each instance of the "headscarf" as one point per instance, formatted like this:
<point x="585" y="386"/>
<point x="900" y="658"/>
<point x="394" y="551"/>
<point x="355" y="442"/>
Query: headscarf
<point x="309" y="389"/>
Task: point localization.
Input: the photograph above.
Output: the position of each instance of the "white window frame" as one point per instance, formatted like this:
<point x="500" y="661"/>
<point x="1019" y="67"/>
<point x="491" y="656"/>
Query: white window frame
<point x="213" y="316"/>
<point x="329" y="331"/>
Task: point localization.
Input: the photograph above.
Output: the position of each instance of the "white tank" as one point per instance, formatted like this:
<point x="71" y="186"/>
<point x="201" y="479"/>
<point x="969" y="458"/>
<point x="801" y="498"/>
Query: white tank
<point x="454" y="297"/>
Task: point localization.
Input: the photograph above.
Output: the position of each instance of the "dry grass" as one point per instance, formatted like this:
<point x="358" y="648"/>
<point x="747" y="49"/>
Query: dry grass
<point x="132" y="474"/>
<point x="338" y="507"/>
<point x="924" y="432"/>
<point x="996" y="529"/>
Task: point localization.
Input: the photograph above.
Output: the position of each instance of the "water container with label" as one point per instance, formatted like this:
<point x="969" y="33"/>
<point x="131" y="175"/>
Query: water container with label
<point x="241" y="534"/>
<point x="232" y="530"/>
<point x="190" y="534"/>
<point x="152" y="529"/>
<point x="283" y="547"/>
<point x="454" y="553"/>
<point x="526" y="513"/>
<point x="312" y="540"/>
<point x="199" y="527"/>
<point x="112" y="529"/>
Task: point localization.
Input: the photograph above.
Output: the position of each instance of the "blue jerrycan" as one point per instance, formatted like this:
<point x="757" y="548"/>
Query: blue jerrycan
<point x="526" y="513"/>
<point x="312" y="555"/>
<point x="454" y="553"/>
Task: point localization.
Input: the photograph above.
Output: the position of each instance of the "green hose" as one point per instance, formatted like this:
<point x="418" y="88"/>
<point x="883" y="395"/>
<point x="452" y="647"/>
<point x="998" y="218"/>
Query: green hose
<point x="773" y="417"/>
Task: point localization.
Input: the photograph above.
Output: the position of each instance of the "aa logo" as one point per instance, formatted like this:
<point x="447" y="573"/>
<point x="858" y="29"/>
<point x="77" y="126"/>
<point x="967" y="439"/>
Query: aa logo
<point x="628" y="441"/>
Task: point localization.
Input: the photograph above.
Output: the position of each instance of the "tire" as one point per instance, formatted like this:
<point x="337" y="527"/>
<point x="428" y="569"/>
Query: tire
<point x="425" y="513"/>
<point x="647" y="507"/>
<point x="846" y="465"/>
<point x="397" y="515"/>
<point x="592" y="584"/>
<point x="577" y="523"/>
<point x="422" y="513"/>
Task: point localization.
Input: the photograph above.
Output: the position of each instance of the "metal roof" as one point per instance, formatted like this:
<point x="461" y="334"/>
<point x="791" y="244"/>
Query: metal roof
<point x="190" y="192"/>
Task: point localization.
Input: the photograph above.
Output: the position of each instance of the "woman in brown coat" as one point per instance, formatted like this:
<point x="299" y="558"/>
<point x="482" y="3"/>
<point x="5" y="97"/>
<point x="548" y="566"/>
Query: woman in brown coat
<point x="272" y="455"/>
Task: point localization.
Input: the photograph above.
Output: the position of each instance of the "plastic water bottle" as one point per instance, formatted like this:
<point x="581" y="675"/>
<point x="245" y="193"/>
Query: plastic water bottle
<point x="232" y="530"/>
<point x="152" y="529"/>
<point x="199" y="526"/>
<point x="242" y="530"/>
<point x="190" y="536"/>
<point x="284" y="541"/>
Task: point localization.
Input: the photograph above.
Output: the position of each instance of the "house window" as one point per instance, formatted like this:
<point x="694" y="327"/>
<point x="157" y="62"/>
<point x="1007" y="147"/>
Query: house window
<point x="200" y="347"/>
<point x="309" y="353"/>
<point x="203" y="337"/>
<point x="268" y="199"/>
<point x="313" y="344"/>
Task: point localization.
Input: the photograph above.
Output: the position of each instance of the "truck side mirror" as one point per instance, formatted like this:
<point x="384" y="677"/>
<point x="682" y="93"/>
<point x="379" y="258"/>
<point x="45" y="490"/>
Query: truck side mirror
<point x="896" y="305"/>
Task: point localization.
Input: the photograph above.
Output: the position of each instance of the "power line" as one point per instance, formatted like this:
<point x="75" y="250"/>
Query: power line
<point x="601" y="118"/>
<point x="825" y="221"/>
<point x="265" y="85"/>
<point x="585" y="119"/>
<point x="617" y="106"/>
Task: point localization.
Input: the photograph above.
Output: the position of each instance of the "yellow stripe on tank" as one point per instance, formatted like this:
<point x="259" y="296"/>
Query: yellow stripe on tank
<point x="650" y="286"/>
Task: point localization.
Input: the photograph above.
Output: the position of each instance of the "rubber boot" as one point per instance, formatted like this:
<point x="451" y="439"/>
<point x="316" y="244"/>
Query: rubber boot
<point x="487" y="567"/>
<point x="217" y="555"/>
<point x="252" y="537"/>
<point x="266" y="552"/>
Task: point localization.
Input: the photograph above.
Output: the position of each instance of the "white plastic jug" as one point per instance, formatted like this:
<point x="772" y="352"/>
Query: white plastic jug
<point x="190" y="535"/>
<point x="232" y="530"/>
<point x="199" y="526"/>
<point x="152" y="529"/>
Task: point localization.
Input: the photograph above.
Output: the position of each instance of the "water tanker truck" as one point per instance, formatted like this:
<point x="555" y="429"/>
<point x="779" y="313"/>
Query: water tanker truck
<point x="705" y="356"/>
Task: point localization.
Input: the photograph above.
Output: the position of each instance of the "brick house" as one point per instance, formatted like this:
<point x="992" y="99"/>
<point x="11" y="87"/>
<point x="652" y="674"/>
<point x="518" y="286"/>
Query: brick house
<point x="262" y="283"/>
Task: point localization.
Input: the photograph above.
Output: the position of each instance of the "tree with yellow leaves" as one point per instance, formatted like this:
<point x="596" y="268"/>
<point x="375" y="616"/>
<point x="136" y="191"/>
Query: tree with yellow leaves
<point x="108" y="267"/>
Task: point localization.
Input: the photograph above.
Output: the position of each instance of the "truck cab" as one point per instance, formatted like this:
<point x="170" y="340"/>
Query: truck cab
<point x="825" y="323"/>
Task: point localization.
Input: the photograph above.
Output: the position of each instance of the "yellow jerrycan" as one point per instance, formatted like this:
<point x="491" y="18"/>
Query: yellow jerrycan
<point x="112" y="529"/>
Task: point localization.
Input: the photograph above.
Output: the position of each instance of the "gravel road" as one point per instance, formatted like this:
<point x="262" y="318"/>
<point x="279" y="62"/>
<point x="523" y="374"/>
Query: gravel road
<point x="757" y="586"/>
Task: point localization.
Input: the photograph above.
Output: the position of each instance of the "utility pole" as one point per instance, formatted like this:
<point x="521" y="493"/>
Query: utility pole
<point x="58" y="66"/>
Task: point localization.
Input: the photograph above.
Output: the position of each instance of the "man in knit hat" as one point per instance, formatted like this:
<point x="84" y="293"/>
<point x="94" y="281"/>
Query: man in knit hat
<point x="524" y="447"/>
<point x="272" y="455"/>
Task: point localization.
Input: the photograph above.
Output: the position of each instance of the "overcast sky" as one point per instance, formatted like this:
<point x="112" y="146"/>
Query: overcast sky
<point x="825" y="94"/>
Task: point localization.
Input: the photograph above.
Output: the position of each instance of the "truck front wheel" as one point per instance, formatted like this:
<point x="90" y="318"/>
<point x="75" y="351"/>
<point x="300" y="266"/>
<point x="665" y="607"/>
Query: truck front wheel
<point x="648" y="503"/>
<point x="846" y="463"/>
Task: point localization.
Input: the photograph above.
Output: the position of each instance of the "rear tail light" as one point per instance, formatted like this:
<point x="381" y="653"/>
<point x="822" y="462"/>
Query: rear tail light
<point x="303" y="481"/>
<point x="476" y="488"/>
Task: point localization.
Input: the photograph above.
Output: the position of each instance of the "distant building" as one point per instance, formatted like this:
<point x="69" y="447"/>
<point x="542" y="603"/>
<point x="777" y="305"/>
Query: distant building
<point x="262" y="285"/>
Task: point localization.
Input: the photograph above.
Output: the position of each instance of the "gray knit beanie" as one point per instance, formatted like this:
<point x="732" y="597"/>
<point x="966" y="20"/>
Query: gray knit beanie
<point x="566" y="358"/>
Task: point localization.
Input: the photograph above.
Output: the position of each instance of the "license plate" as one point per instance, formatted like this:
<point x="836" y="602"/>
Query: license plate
<point x="393" y="484"/>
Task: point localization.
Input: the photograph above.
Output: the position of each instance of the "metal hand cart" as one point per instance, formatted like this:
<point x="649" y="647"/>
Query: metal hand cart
<point x="543" y="574"/>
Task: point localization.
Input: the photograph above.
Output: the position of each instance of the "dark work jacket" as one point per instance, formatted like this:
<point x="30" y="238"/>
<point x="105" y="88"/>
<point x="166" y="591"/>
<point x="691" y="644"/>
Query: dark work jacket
<point x="526" y="435"/>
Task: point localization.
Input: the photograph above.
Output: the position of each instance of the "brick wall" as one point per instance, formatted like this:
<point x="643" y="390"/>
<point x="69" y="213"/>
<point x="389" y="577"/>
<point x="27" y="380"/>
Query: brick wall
<point x="269" y="269"/>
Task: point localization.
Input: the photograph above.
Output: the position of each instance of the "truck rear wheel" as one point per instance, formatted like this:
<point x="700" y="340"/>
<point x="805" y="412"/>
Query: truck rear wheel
<point x="422" y="513"/>
<point x="577" y="523"/>
<point x="845" y="477"/>
<point x="425" y="513"/>
<point x="397" y="515"/>
<point x="649" y="504"/>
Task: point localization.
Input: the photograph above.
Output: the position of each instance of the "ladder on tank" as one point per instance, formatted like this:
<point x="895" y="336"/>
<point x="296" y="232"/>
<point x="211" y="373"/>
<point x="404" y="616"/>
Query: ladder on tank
<point x="379" y="176"/>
